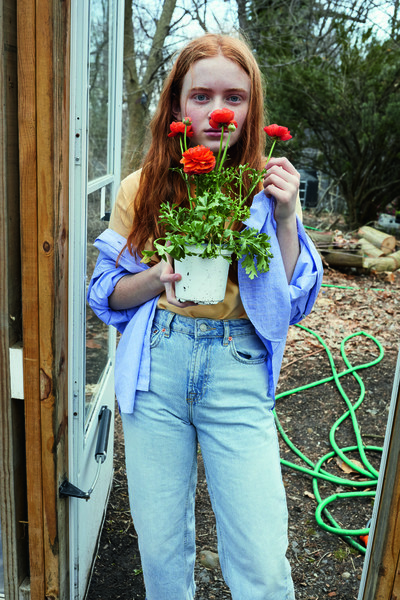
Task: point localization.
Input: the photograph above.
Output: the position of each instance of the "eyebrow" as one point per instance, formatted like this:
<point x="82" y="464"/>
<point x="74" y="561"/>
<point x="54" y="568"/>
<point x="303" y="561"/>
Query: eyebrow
<point x="206" y="89"/>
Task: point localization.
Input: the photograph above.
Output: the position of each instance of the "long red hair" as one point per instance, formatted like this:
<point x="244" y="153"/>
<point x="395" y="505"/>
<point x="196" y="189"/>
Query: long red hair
<point x="158" y="183"/>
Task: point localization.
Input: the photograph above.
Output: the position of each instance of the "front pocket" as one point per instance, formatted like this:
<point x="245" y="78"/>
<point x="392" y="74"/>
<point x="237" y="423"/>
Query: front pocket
<point x="248" y="349"/>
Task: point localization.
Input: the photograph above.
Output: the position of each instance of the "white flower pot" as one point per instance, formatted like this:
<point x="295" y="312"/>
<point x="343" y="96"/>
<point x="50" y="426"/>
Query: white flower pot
<point x="203" y="279"/>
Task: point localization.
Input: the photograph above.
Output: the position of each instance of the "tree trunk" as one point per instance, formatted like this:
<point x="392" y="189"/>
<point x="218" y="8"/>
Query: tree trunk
<point x="322" y="239"/>
<point x="368" y="249"/>
<point x="139" y="93"/>
<point x="380" y="239"/>
<point x="343" y="259"/>
<point x="386" y="263"/>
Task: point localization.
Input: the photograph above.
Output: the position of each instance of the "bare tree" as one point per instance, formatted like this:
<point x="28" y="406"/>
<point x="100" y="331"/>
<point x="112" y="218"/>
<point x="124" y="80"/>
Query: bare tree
<point x="152" y="34"/>
<point x="141" y="77"/>
<point x="288" y="31"/>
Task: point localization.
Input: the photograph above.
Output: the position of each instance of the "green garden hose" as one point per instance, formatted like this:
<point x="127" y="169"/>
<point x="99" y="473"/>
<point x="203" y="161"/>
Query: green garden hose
<point x="315" y="470"/>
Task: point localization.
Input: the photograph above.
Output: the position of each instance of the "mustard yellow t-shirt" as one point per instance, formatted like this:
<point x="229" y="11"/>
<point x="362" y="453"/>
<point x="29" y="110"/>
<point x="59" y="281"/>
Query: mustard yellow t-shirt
<point x="121" y="221"/>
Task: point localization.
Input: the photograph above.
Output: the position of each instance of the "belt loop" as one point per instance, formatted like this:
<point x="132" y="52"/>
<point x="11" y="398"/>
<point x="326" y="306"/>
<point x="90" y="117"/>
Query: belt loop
<point x="167" y="326"/>
<point x="226" y="333"/>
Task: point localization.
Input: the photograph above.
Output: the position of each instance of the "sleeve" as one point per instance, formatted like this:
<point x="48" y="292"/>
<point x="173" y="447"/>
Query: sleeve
<point x="306" y="280"/>
<point x="105" y="277"/>
<point x="270" y="302"/>
<point x="114" y="261"/>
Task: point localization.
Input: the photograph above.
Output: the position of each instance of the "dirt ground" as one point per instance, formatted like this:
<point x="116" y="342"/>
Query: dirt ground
<point x="323" y="564"/>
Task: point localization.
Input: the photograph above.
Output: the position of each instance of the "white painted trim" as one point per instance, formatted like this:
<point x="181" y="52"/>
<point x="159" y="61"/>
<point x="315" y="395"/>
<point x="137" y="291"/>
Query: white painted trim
<point x="17" y="372"/>
<point x="82" y="428"/>
<point x="25" y="589"/>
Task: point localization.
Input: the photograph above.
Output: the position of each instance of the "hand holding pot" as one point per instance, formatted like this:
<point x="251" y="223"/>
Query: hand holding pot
<point x="168" y="277"/>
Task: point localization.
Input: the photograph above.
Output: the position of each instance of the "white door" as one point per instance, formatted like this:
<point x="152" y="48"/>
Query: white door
<point x="95" y="151"/>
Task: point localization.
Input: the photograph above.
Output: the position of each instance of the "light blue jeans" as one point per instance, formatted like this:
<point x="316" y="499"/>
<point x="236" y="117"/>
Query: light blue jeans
<point x="208" y="385"/>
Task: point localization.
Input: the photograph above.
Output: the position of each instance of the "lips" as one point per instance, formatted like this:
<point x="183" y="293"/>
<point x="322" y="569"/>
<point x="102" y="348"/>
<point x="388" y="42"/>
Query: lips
<point x="214" y="132"/>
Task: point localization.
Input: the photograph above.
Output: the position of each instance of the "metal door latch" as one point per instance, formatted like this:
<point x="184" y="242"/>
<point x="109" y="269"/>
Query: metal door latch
<point x="68" y="489"/>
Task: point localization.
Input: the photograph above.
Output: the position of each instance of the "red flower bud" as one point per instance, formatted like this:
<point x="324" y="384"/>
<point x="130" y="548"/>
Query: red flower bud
<point x="198" y="160"/>
<point x="221" y="116"/>
<point x="178" y="127"/>
<point x="278" y="131"/>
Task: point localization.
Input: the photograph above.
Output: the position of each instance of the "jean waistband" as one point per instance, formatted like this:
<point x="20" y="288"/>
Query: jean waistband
<point x="202" y="327"/>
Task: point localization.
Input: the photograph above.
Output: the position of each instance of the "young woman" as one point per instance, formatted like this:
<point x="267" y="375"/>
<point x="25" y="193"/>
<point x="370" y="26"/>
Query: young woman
<point x="188" y="374"/>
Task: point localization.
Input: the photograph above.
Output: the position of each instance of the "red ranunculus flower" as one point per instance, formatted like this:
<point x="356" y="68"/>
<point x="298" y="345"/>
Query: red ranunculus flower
<point x="198" y="160"/>
<point x="216" y="125"/>
<point x="178" y="127"/>
<point x="278" y="132"/>
<point x="221" y="116"/>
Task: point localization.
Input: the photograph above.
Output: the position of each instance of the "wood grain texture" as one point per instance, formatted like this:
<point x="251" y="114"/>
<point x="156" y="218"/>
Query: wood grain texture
<point x="12" y="446"/>
<point x="7" y="509"/>
<point x="43" y="68"/>
<point x="383" y="578"/>
<point x="30" y="282"/>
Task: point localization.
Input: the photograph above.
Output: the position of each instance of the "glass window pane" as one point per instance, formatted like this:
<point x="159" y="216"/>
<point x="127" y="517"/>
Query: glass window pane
<point x="99" y="88"/>
<point x="99" y="206"/>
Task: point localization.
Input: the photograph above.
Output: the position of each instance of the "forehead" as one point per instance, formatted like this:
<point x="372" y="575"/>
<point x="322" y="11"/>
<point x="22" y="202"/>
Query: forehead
<point x="216" y="72"/>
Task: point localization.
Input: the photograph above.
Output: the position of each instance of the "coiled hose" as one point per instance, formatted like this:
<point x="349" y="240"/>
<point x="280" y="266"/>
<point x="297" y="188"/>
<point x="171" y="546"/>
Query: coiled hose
<point x="316" y="471"/>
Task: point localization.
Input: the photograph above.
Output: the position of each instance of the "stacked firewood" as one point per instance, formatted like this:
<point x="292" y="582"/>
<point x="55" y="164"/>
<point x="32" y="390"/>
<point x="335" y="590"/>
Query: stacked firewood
<point x="369" y="249"/>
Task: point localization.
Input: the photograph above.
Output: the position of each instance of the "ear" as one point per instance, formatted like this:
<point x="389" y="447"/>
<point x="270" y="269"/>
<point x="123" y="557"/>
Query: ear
<point x="176" y="109"/>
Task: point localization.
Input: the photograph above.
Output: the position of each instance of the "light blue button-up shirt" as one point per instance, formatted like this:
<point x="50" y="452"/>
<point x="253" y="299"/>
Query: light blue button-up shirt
<point x="269" y="301"/>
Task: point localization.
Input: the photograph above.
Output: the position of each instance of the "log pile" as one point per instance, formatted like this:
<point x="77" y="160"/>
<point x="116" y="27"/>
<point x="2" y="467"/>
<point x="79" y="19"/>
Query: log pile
<point x="369" y="249"/>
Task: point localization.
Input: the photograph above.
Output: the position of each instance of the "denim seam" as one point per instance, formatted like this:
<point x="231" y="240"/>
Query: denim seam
<point x="226" y="339"/>
<point x="167" y="325"/>
<point x="220" y="538"/>
<point x="188" y="492"/>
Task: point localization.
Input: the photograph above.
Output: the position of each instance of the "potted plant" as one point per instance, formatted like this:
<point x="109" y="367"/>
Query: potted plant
<point x="203" y="232"/>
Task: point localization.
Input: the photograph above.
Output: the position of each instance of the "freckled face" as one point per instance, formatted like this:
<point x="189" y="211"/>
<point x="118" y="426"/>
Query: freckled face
<point x="213" y="83"/>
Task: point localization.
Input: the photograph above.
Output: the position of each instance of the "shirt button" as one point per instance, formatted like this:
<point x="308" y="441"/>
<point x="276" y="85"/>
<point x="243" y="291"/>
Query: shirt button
<point x="203" y="327"/>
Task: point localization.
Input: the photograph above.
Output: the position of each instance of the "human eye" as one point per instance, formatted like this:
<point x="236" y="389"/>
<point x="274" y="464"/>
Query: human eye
<point x="234" y="98"/>
<point x="200" y="97"/>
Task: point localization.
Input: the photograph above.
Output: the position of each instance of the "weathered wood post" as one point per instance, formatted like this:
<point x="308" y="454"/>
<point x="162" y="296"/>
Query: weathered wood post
<point x="382" y="572"/>
<point x="43" y="109"/>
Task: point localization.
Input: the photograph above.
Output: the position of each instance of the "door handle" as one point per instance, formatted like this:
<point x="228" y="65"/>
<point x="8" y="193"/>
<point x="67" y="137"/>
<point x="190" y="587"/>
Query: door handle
<point x="68" y="489"/>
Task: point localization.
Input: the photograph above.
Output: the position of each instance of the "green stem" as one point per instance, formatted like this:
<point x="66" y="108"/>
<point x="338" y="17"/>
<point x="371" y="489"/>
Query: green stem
<point x="184" y="148"/>
<point x="270" y="152"/>
<point x="255" y="183"/>
<point x="189" y="193"/>
<point x="225" y="149"/>
<point x="220" y="147"/>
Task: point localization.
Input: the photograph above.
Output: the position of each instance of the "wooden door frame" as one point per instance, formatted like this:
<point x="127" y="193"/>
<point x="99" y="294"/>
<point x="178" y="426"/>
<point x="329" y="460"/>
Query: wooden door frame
<point x="381" y="575"/>
<point x="43" y="74"/>
<point x="43" y="30"/>
<point x="12" y="448"/>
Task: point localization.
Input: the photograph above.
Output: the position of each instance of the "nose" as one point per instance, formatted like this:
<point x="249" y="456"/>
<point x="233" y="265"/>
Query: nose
<point x="217" y="104"/>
